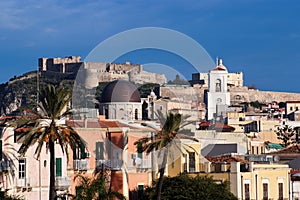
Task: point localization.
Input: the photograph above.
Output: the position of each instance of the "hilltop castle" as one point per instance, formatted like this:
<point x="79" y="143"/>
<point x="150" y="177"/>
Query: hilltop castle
<point x="91" y="73"/>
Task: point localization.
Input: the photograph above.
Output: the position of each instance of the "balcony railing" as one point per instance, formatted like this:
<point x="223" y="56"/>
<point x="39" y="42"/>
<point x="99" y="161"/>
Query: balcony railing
<point x="24" y="182"/>
<point x="81" y="164"/>
<point x="143" y="163"/>
<point x="115" y="164"/>
<point x="62" y="182"/>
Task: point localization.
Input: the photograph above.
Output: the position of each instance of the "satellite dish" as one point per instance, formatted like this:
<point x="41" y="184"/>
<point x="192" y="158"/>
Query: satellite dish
<point x="276" y="158"/>
<point x="138" y="161"/>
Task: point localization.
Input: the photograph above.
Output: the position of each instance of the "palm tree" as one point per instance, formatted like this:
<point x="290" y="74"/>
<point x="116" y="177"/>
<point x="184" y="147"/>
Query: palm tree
<point x="164" y="138"/>
<point x="45" y="126"/>
<point x="96" y="187"/>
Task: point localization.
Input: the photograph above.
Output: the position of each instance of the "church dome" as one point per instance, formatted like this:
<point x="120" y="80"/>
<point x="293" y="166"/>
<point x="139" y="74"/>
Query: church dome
<point x="220" y="66"/>
<point x="120" y="91"/>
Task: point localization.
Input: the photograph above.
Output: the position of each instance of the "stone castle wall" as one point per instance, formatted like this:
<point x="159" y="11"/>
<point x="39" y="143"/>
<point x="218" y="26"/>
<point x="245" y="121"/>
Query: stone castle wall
<point x="91" y="72"/>
<point x="237" y="94"/>
<point x="242" y="94"/>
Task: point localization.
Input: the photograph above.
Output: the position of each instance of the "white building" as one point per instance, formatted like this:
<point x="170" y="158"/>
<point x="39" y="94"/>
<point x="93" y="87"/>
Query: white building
<point x="218" y="97"/>
<point x="27" y="177"/>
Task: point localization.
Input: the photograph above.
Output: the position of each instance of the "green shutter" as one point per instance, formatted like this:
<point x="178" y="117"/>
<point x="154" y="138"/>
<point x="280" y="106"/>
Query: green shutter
<point x="140" y="191"/>
<point x="99" y="151"/>
<point x="82" y="151"/>
<point x="58" y="167"/>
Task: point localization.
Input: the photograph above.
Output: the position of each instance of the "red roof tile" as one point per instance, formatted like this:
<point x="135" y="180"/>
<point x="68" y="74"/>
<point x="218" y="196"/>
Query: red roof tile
<point x="221" y="159"/>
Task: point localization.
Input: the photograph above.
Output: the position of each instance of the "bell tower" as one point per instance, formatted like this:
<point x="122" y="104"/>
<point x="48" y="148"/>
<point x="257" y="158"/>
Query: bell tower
<point x="218" y="97"/>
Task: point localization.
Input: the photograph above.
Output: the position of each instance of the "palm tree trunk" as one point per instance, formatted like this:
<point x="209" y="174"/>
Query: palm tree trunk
<point x="161" y="175"/>
<point x="52" y="192"/>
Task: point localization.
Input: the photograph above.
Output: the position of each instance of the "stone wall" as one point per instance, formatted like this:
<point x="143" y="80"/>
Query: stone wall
<point x="243" y="94"/>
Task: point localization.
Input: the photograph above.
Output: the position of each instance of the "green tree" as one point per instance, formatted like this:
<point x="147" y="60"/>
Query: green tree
<point x="183" y="187"/>
<point x="96" y="187"/>
<point x="171" y="124"/>
<point x="255" y="104"/>
<point x="287" y="134"/>
<point x="45" y="126"/>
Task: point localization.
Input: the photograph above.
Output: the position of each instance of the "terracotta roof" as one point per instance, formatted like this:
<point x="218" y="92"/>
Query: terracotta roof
<point x="219" y="68"/>
<point x="228" y="159"/>
<point x="223" y="127"/>
<point x="204" y="124"/>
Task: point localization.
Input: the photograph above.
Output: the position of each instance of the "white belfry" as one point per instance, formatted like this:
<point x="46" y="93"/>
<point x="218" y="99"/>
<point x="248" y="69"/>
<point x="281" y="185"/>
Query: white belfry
<point x="218" y="97"/>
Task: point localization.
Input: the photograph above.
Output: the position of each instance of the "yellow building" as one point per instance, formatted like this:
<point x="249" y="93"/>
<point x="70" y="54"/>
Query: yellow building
<point x="185" y="157"/>
<point x="259" y="181"/>
<point x="249" y="180"/>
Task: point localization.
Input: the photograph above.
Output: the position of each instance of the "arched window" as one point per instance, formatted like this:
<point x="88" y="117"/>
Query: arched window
<point x="106" y="112"/>
<point x="218" y="85"/>
<point x="136" y="114"/>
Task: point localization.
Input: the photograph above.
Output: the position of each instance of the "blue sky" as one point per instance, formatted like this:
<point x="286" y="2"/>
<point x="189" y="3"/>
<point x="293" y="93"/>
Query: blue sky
<point x="259" y="38"/>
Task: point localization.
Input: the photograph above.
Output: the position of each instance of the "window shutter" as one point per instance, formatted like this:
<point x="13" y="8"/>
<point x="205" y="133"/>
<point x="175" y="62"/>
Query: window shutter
<point x="82" y="151"/>
<point x="58" y="167"/>
<point x="99" y="151"/>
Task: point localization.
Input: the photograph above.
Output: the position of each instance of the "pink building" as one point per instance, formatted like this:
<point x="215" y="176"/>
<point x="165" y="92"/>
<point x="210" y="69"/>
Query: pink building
<point x="110" y="145"/>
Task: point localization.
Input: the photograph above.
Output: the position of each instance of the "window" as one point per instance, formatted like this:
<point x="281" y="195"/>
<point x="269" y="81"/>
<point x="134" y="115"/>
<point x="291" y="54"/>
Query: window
<point x="297" y="108"/>
<point x="257" y="150"/>
<point x="22" y="169"/>
<point x="184" y="163"/>
<point x="261" y="150"/>
<point x="265" y="191"/>
<point x="291" y="108"/>
<point x="238" y="97"/>
<point x="191" y="161"/>
<point x="99" y="151"/>
<point x="58" y="170"/>
<point x="136" y="114"/>
<point x="106" y="113"/>
<point x="218" y="85"/>
<point x="252" y="150"/>
<point x="79" y="153"/>
<point x="280" y="191"/>
<point x="247" y="192"/>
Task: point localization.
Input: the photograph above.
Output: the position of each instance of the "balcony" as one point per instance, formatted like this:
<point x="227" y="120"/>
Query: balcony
<point x="24" y="182"/>
<point x="81" y="164"/>
<point x="115" y="164"/>
<point x="143" y="163"/>
<point x="62" y="182"/>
